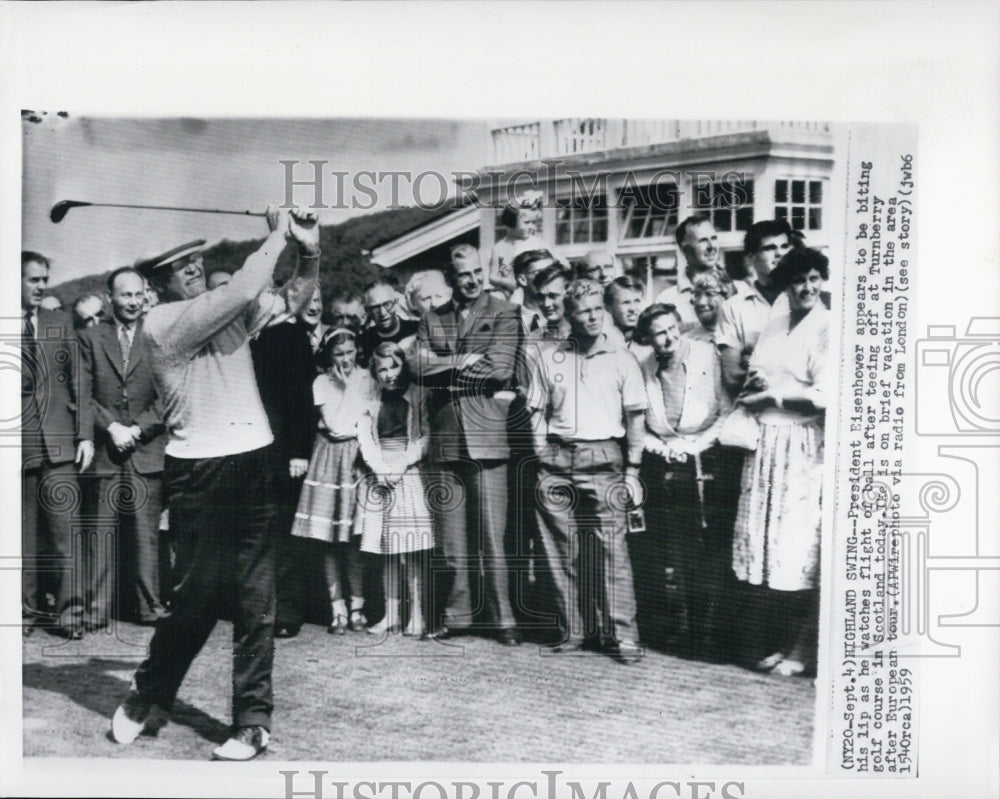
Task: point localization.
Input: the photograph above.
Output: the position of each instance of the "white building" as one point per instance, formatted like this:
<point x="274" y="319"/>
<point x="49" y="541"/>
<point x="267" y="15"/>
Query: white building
<point x="623" y="185"/>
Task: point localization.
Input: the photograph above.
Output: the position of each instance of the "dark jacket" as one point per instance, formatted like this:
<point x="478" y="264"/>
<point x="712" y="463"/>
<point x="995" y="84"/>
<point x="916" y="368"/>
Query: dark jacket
<point x="119" y="394"/>
<point x="50" y="371"/>
<point x="283" y="363"/>
<point x="470" y="407"/>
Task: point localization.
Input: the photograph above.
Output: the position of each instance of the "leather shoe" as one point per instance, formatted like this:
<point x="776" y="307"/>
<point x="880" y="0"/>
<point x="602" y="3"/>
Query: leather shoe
<point x="358" y="624"/>
<point x="338" y="626"/>
<point x="509" y="637"/>
<point x="286" y="630"/>
<point x="567" y="647"/>
<point x="438" y="634"/>
<point x="629" y="653"/>
<point x="69" y="633"/>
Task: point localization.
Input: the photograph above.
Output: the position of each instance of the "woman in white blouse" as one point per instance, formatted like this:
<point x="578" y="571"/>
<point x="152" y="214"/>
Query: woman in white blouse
<point x="776" y="544"/>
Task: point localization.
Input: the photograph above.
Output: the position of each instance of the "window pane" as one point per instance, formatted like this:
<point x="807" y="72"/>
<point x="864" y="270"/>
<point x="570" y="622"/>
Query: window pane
<point x="815" y="192"/>
<point x="703" y="197"/>
<point x="671" y="224"/>
<point x="815" y="218"/>
<point x="780" y="212"/>
<point x="600" y="230"/>
<point x="744" y="218"/>
<point x="798" y="191"/>
<point x="581" y="230"/>
<point x="722" y="219"/>
<point x="734" y="264"/>
<point x="636" y="224"/>
<point x="724" y="196"/>
<point x="781" y="191"/>
<point x="798" y="217"/>
<point x="748" y="191"/>
<point x="562" y="233"/>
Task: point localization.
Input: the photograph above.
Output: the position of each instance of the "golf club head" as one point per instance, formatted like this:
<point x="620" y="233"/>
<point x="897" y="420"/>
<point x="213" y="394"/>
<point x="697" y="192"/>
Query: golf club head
<point x="61" y="208"/>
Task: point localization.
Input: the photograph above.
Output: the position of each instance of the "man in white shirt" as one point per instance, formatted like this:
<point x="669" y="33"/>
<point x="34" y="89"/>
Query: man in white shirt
<point x="218" y="475"/>
<point x="699" y="243"/>
<point x="743" y="316"/>
<point x="587" y="396"/>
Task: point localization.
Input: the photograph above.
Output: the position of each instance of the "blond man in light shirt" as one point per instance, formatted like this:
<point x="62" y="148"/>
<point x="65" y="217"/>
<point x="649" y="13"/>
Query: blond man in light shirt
<point x="587" y="396"/>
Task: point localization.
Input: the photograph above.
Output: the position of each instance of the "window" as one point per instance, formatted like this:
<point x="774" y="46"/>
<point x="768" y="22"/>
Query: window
<point x="734" y="264"/>
<point x="800" y="203"/>
<point x="648" y="211"/>
<point x="581" y="220"/>
<point x="499" y="229"/>
<point x="729" y="204"/>
<point x="657" y="270"/>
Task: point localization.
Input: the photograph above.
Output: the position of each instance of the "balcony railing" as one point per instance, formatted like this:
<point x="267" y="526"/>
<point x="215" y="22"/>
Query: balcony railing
<point x="517" y="143"/>
<point x="527" y="142"/>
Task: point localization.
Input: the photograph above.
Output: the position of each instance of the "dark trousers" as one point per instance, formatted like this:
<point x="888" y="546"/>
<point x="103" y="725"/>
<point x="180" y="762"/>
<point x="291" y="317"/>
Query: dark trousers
<point x="582" y="528"/>
<point x="529" y="596"/>
<point x="471" y="550"/>
<point x="695" y="531"/>
<point x="52" y="550"/>
<point x="125" y="543"/>
<point x="294" y="556"/>
<point x="222" y="519"/>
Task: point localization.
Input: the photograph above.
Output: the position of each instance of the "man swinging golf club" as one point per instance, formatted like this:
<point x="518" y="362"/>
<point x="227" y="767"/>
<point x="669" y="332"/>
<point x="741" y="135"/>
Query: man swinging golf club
<point x="217" y="474"/>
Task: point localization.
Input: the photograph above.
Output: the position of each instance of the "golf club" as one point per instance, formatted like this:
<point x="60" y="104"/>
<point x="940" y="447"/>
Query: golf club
<point x="61" y="208"/>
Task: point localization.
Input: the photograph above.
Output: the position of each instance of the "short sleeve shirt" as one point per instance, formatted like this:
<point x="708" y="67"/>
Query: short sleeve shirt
<point x="586" y="395"/>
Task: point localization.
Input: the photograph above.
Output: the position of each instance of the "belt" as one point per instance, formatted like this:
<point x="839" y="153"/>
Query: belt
<point x="568" y="443"/>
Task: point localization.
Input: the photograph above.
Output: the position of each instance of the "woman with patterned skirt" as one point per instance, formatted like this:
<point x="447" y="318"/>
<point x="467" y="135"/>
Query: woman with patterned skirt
<point x="776" y="545"/>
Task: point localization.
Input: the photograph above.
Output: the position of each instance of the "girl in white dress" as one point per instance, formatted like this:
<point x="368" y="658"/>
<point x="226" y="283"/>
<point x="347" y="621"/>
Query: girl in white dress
<point x="393" y="519"/>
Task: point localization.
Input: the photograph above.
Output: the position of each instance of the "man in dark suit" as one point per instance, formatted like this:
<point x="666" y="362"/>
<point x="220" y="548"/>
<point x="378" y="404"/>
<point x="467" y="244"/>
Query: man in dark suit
<point x="52" y="574"/>
<point x="283" y="362"/>
<point x="466" y="355"/>
<point x="122" y="415"/>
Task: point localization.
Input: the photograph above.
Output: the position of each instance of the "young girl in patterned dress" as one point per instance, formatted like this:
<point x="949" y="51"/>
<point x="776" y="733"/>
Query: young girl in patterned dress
<point x="327" y="503"/>
<point x="393" y="519"/>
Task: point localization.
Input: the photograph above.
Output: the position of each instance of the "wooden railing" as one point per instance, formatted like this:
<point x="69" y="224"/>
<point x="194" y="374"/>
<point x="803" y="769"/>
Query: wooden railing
<point x="527" y="142"/>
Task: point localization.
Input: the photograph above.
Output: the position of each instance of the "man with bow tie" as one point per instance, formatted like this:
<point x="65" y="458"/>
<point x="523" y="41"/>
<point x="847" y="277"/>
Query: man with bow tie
<point x="122" y="416"/>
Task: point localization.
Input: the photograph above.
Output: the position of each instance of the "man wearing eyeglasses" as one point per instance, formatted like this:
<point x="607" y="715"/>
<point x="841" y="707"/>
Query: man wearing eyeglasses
<point x="381" y="304"/>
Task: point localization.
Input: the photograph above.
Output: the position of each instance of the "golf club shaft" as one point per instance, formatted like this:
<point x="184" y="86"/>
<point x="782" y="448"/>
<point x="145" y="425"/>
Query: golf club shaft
<point x="176" y="208"/>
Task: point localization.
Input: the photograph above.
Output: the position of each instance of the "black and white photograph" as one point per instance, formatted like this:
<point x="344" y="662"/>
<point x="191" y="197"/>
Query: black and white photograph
<point x="514" y="434"/>
<point x="390" y="449"/>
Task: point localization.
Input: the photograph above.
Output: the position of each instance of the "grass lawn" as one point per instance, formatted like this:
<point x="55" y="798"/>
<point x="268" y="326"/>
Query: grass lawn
<point x="355" y="698"/>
